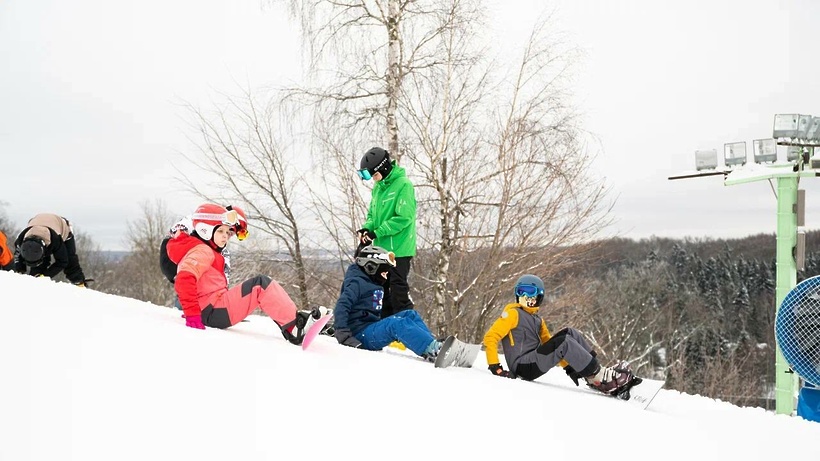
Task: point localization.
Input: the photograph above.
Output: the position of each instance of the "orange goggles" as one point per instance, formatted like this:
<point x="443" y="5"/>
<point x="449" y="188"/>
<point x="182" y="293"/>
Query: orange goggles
<point x="241" y="229"/>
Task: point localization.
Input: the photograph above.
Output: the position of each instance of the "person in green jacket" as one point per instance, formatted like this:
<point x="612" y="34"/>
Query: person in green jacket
<point x="390" y="223"/>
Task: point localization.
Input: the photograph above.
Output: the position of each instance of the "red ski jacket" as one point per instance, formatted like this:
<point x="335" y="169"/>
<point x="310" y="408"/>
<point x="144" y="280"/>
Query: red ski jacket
<point x="200" y="277"/>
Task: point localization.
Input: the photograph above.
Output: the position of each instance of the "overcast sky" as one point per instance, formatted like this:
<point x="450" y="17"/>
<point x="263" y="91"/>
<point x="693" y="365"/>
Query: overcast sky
<point x="90" y="123"/>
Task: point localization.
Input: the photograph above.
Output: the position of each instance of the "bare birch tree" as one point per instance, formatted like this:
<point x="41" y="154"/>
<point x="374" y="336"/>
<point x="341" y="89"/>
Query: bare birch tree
<point x="361" y="51"/>
<point x="498" y="160"/>
<point x="505" y="190"/>
<point x="241" y="149"/>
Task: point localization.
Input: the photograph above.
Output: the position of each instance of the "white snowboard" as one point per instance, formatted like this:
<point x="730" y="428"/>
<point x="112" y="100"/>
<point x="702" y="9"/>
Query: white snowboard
<point x="457" y="353"/>
<point x="642" y="394"/>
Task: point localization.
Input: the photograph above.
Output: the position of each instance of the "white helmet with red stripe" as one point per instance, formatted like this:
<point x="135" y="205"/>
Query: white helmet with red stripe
<point x="209" y="216"/>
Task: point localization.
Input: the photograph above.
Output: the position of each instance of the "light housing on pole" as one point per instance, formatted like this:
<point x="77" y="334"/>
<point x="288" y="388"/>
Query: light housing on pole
<point x="734" y="154"/>
<point x="705" y="159"/>
<point x="813" y="133"/>
<point x="765" y="150"/>
<point x="793" y="153"/>
<point x="792" y="126"/>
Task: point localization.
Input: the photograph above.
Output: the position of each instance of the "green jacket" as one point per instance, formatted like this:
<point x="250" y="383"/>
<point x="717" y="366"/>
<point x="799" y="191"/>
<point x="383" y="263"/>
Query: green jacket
<point x="392" y="213"/>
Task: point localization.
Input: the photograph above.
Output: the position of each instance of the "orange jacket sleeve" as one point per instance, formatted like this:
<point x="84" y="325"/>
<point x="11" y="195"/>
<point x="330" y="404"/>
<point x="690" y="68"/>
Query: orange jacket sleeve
<point x="6" y="255"/>
<point x="500" y="328"/>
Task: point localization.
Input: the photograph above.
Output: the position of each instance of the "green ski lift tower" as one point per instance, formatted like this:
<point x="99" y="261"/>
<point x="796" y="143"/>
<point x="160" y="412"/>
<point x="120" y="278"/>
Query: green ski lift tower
<point x="800" y="134"/>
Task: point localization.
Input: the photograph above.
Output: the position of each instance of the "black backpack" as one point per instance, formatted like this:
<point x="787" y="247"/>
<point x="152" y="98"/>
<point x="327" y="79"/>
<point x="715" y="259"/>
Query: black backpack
<point x="168" y="267"/>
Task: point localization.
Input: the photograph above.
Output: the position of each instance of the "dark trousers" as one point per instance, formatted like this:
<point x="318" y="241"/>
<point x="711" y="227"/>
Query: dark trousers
<point x="397" y="291"/>
<point x="73" y="272"/>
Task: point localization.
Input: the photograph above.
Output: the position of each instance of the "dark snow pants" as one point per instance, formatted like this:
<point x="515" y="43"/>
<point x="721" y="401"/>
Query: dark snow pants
<point x="568" y="344"/>
<point x="397" y="292"/>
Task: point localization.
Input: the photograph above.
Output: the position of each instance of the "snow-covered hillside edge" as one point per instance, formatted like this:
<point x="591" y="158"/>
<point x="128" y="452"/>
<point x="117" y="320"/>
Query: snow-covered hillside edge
<point x="90" y="376"/>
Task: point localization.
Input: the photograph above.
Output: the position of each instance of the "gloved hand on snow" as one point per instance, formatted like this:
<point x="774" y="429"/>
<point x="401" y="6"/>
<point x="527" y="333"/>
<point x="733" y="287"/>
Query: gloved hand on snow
<point x="346" y="338"/>
<point x="194" y="321"/>
<point x="498" y="370"/>
<point x="573" y="375"/>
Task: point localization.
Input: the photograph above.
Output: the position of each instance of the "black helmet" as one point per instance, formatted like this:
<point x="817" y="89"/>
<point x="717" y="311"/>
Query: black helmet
<point x="375" y="160"/>
<point x="374" y="260"/>
<point x="530" y="286"/>
<point x="33" y="250"/>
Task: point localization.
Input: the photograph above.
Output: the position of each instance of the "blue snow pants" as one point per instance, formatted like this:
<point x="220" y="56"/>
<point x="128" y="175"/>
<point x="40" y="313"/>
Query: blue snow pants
<point x="405" y="326"/>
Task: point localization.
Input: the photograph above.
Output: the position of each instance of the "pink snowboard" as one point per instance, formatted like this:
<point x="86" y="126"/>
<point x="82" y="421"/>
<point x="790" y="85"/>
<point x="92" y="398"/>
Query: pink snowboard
<point x="314" y="331"/>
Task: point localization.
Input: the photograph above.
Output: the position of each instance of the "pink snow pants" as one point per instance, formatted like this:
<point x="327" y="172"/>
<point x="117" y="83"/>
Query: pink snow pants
<point x="241" y="300"/>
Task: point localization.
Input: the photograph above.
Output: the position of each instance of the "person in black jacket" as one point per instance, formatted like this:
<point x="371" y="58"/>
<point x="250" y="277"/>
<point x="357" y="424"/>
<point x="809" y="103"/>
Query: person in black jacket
<point x="46" y="247"/>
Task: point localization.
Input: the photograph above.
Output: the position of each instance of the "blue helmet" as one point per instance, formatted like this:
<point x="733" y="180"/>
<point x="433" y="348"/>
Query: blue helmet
<point x="530" y="286"/>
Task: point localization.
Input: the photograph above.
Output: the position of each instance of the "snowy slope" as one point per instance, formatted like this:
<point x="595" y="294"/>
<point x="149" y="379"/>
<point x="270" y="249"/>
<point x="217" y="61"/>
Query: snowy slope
<point x="90" y="376"/>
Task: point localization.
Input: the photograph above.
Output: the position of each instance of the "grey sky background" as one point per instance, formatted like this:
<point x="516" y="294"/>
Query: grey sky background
<point x="90" y="123"/>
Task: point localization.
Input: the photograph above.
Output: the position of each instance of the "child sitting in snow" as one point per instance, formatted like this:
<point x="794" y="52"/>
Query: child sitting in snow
<point x="202" y="286"/>
<point x="357" y="315"/>
<point x="530" y="350"/>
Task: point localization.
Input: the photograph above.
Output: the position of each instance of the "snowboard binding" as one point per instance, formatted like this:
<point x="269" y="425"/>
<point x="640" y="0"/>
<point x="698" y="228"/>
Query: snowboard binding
<point x="623" y="392"/>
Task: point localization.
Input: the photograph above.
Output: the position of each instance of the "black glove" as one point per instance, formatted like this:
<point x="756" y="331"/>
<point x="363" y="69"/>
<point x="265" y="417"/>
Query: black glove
<point x="497" y="370"/>
<point x="346" y="338"/>
<point x="573" y="375"/>
<point x="366" y="236"/>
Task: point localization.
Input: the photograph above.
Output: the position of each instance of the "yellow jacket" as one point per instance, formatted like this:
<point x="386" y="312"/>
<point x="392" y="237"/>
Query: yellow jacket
<point x="519" y="329"/>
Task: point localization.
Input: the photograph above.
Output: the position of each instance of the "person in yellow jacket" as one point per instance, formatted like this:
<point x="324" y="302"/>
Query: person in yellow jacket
<point x="530" y="350"/>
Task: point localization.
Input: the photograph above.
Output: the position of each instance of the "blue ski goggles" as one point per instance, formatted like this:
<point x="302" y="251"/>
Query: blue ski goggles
<point x="366" y="175"/>
<point x="530" y="291"/>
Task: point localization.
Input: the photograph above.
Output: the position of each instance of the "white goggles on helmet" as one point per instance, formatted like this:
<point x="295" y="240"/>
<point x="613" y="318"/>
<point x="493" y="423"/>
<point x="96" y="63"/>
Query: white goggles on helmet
<point x="229" y="218"/>
<point x="389" y="257"/>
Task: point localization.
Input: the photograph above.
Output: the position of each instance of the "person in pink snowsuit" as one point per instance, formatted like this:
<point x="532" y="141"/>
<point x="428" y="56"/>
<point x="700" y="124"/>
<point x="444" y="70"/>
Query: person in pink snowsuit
<point x="203" y="288"/>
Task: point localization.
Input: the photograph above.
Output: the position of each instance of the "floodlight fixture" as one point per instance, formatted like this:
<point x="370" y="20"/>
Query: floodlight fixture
<point x="793" y="153"/>
<point x="813" y="133"/>
<point x="705" y="159"/>
<point x="765" y="150"/>
<point x="812" y="154"/>
<point x="734" y="153"/>
<point x="791" y="128"/>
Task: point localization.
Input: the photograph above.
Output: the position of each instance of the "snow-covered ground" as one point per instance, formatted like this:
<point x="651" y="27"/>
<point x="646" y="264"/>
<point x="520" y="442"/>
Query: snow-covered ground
<point x="90" y="376"/>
